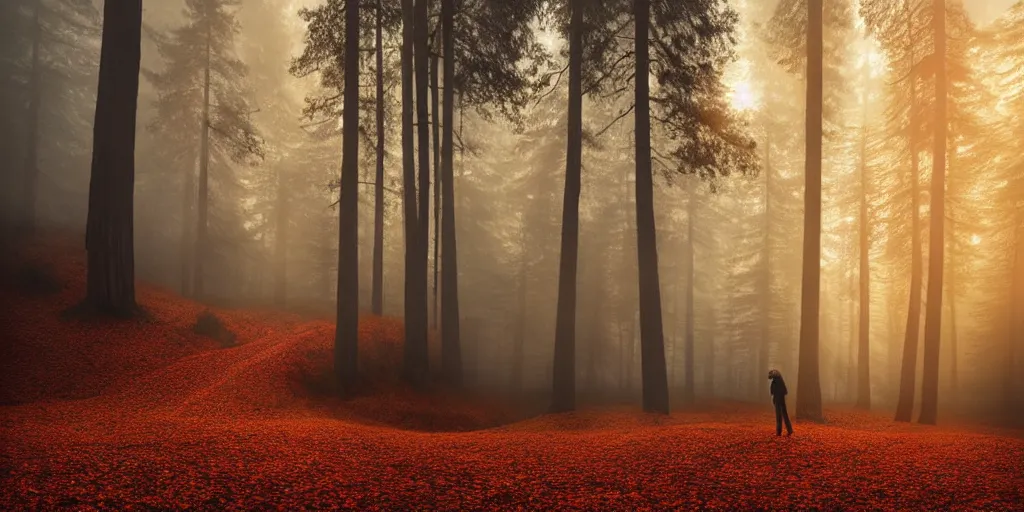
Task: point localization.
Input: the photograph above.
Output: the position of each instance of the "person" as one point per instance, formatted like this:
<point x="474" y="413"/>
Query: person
<point x="779" y="391"/>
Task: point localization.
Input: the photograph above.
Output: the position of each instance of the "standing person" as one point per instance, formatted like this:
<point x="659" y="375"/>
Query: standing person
<point x="779" y="391"/>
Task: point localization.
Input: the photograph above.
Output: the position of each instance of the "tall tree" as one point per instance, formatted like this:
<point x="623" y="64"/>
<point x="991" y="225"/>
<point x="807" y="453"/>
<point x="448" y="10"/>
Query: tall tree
<point x="49" y="55"/>
<point x="282" y="220"/>
<point x="766" y="276"/>
<point x="937" y="209"/>
<point x="864" y="301"/>
<point x="808" y="398"/>
<point x="346" y="334"/>
<point x="451" y="358"/>
<point x="652" y="339"/>
<point x="415" y="354"/>
<point x="689" y="393"/>
<point x="897" y="28"/>
<point x="110" y="284"/>
<point x="377" y="299"/>
<point x="31" y="172"/>
<point x="564" y="381"/>
<point x="421" y="53"/>
<point x="203" y="113"/>
<point x="435" y="117"/>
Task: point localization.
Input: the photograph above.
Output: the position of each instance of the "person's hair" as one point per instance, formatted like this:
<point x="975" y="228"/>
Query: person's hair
<point x="774" y="374"/>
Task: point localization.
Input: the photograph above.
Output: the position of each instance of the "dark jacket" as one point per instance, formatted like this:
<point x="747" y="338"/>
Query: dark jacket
<point x="778" y="389"/>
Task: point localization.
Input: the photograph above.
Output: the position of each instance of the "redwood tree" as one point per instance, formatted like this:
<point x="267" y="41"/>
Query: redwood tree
<point x="110" y="284"/>
<point x="937" y="211"/>
<point x="808" y="398"/>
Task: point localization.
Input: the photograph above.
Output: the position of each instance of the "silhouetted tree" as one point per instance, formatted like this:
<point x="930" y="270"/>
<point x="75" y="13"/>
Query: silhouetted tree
<point x="808" y="399"/>
<point x="110" y="284"/>
<point x="346" y="334"/>
<point x="377" y="299"/>
<point x="564" y="381"/>
<point x="451" y="357"/>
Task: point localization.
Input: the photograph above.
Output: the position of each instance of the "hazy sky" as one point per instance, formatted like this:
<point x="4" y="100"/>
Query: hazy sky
<point x="984" y="11"/>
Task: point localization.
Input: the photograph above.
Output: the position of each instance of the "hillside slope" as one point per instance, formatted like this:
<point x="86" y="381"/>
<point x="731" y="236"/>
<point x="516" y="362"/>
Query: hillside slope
<point x="148" y="414"/>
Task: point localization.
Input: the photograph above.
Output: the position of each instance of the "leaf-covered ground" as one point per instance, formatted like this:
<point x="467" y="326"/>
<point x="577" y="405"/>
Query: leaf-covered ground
<point x="149" y="415"/>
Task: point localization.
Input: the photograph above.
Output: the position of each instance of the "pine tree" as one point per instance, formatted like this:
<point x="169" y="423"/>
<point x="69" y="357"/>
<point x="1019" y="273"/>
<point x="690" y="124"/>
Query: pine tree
<point x="203" y="114"/>
<point x="49" y="53"/>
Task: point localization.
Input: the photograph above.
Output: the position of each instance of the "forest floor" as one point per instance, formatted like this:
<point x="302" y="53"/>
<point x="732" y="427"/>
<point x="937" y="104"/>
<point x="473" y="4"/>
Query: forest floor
<point x="147" y="414"/>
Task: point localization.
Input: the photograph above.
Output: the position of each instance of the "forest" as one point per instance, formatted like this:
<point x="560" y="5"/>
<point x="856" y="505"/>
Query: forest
<point x="512" y="254"/>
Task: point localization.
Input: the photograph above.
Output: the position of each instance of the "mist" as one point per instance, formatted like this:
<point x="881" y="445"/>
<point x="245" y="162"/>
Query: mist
<point x="240" y="169"/>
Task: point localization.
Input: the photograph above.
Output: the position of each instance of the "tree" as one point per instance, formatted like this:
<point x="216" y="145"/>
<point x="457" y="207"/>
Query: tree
<point x="689" y="393"/>
<point x="49" y="56"/>
<point x="896" y="27"/>
<point x="415" y="355"/>
<point x="808" y="399"/>
<point x="864" y="302"/>
<point x="451" y="358"/>
<point x="377" y="300"/>
<point x="788" y="35"/>
<point x="489" y="58"/>
<point x="564" y="381"/>
<point x="203" y="86"/>
<point x="346" y="334"/>
<point x="652" y="340"/>
<point x="936" y="248"/>
<point x="421" y="53"/>
<point x="110" y="284"/>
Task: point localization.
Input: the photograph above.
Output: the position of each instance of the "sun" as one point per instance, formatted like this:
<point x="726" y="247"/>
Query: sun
<point x="742" y="97"/>
<point x="741" y="93"/>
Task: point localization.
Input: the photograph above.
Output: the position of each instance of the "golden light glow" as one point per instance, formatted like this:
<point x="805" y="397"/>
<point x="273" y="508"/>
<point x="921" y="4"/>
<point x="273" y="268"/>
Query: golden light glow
<point x="975" y="239"/>
<point x="742" y="96"/>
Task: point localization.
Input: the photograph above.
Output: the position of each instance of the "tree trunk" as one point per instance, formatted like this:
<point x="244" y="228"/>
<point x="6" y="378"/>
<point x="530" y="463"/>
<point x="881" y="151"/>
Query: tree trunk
<point x="674" y="361"/>
<point x="31" y="177"/>
<point x="451" y="356"/>
<point x="951" y="289"/>
<point x="346" y="334"/>
<point x="709" y="370"/>
<point x="204" y="163"/>
<point x="415" y="355"/>
<point x="435" y="113"/>
<point x="421" y="61"/>
<point x="652" y="337"/>
<point x="852" y="359"/>
<point x="520" y="335"/>
<point x="377" y="298"/>
<point x="808" y="397"/>
<point x="936" y="246"/>
<point x="766" y="278"/>
<point x="1016" y="334"/>
<point x="188" y="200"/>
<point x="110" y="284"/>
<point x="281" y="245"/>
<point x="564" y="379"/>
<point x="908" y="373"/>
<point x="864" y="329"/>
<point x="689" y="393"/>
